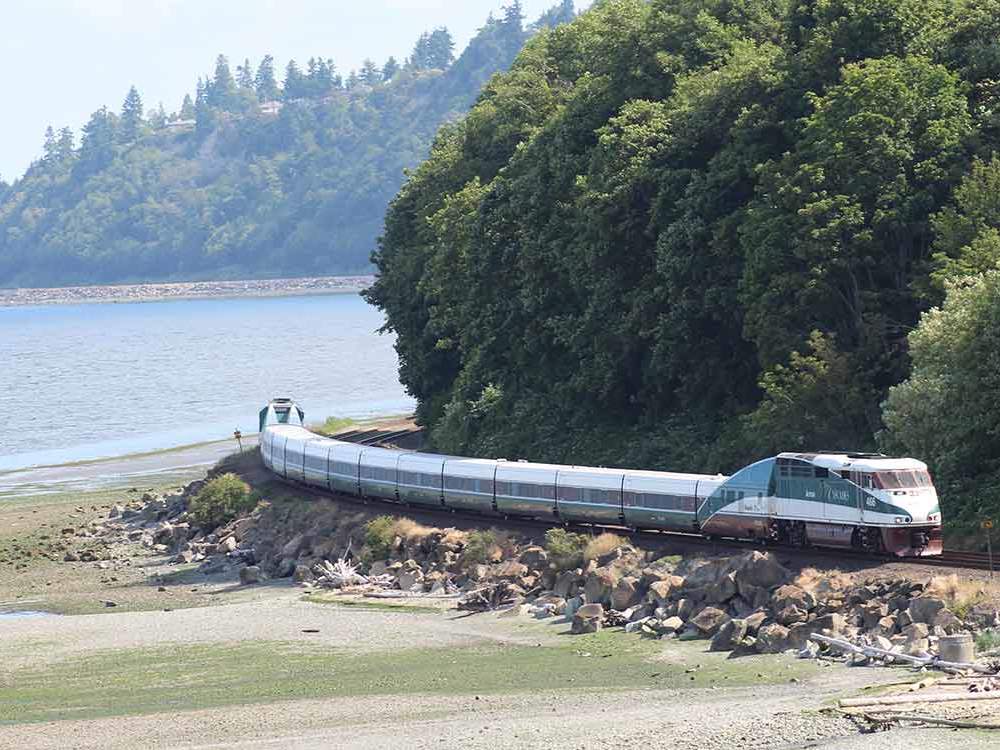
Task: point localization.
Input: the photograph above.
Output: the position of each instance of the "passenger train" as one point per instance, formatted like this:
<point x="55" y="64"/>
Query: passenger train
<point x="859" y="501"/>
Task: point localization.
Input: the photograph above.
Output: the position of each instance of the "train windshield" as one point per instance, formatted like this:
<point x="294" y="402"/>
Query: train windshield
<point x="902" y="479"/>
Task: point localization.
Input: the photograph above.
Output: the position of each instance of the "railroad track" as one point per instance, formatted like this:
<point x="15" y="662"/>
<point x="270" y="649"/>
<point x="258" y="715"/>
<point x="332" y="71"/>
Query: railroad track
<point x="948" y="559"/>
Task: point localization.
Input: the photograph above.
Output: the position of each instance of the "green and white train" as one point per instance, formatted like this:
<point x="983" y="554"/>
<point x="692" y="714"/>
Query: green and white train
<point x="849" y="500"/>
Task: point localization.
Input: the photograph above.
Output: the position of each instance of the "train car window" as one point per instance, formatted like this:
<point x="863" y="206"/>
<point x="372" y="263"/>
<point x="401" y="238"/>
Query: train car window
<point x="503" y="488"/>
<point x="570" y="494"/>
<point x="821" y="472"/>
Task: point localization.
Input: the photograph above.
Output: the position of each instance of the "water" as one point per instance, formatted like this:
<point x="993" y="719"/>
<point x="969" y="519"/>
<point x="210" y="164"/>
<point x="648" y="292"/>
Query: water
<point x="88" y="381"/>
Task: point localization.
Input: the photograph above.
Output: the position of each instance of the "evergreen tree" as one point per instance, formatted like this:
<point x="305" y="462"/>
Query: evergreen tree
<point x="420" y="57"/>
<point x="556" y="16"/>
<point x="97" y="145"/>
<point x="294" y="86"/>
<point x="513" y="15"/>
<point x="222" y="87"/>
<point x="244" y="75"/>
<point x="187" y="108"/>
<point x="158" y="117"/>
<point x="440" y="49"/>
<point x="64" y="146"/>
<point x="265" y="82"/>
<point x="319" y="77"/>
<point x="369" y="73"/>
<point x="353" y="80"/>
<point x="390" y="69"/>
<point x="49" y="148"/>
<point x="131" y="120"/>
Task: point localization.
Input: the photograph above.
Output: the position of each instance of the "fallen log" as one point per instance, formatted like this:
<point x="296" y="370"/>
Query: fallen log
<point x="896" y="700"/>
<point x="872" y="651"/>
<point x="880" y="718"/>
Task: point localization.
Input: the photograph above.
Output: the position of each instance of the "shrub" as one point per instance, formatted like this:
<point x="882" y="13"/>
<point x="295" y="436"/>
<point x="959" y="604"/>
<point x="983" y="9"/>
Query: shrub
<point x="379" y="536"/>
<point x="480" y="547"/>
<point x="221" y="500"/>
<point x="959" y="594"/>
<point x="411" y="531"/>
<point x="565" y="548"/>
<point x="988" y="640"/>
<point x="601" y="545"/>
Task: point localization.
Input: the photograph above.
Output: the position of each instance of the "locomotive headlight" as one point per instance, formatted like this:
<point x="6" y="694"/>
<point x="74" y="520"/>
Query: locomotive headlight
<point x="932" y="516"/>
<point x="902" y="519"/>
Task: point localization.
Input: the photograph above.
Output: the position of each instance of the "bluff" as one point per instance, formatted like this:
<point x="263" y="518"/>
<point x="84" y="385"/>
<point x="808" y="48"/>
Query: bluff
<point x="252" y="178"/>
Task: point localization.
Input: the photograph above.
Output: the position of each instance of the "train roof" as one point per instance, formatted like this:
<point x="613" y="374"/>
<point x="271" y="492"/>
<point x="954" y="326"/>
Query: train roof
<point x="857" y="461"/>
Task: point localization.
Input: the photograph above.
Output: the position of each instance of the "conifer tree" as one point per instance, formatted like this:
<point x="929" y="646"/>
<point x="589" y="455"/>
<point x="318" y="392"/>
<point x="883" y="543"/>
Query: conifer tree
<point x="369" y="74"/>
<point x="221" y="89"/>
<point x="440" y="49"/>
<point x="244" y="75"/>
<point x="158" y="117"/>
<point x="131" y="120"/>
<point x="294" y="86"/>
<point x="187" y="108"/>
<point x="390" y="69"/>
<point x="65" y="145"/>
<point x="49" y="145"/>
<point x="265" y="82"/>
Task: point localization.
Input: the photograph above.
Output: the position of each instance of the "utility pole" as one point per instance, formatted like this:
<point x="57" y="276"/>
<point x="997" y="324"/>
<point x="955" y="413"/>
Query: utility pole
<point x="239" y="438"/>
<point x="988" y="527"/>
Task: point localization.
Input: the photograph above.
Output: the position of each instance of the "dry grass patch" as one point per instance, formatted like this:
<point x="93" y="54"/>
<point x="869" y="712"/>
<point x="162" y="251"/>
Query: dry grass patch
<point x="602" y="545"/>
<point x="960" y="595"/>
<point x="410" y="531"/>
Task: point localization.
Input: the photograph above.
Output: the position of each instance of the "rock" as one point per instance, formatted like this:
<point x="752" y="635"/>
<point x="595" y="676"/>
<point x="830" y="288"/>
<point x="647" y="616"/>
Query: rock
<point x="229" y="544"/>
<point x="791" y="615"/>
<point x="948" y="621"/>
<point x="746" y="647"/>
<point x="285" y="568"/>
<point x="185" y="556"/>
<point x="407" y="579"/>
<point x="772" y="639"/>
<point x="728" y="635"/>
<point x="755" y="596"/>
<point x="708" y="573"/>
<point x="88" y="556"/>
<point x="722" y="590"/>
<point x="670" y="625"/>
<point x="754" y="622"/>
<point x="791" y="595"/>
<point x="880" y="641"/>
<point x="600" y="583"/>
<point x="572" y="605"/>
<point x="885" y="627"/>
<point x="831" y="623"/>
<point x="509" y="569"/>
<point x="71" y="557"/>
<point x="554" y="602"/>
<point x="636" y="625"/>
<point x="587" y="619"/>
<point x="625" y="592"/>
<point x="117" y="511"/>
<point x="916" y="631"/>
<point x="377" y="568"/>
<point x="685" y="608"/>
<point x="920" y="647"/>
<point x="250" y="575"/>
<point x="567" y="584"/>
<point x="534" y="557"/>
<point x="290" y="549"/>
<point x="871" y="612"/>
<point x="925" y="608"/>
<point x="302" y="573"/>
<point x="709" y="620"/>
<point x="760" y="570"/>
<point x="903" y="618"/>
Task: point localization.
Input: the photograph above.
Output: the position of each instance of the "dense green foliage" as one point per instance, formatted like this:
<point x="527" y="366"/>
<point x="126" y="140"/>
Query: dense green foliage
<point x="688" y="233"/>
<point x="230" y="186"/>
<point x="221" y="500"/>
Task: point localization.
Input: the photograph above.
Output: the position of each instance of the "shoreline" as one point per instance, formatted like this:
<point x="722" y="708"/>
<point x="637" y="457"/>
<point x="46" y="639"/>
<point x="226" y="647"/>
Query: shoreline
<point x="184" y="290"/>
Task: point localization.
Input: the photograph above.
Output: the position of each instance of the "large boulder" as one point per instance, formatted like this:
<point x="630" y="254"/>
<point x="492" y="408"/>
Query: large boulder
<point x="567" y="584"/>
<point x="925" y="608"/>
<point x="659" y="592"/>
<point x="791" y="615"/>
<point x="722" y="590"/>
<point x="588" y="619"/>
<point x="708" y="573"/>
<point x="292" y="547"/>
<point x="731" y="633"/>
<point x="600" y="583"/>
<point x="947" y="621"/>
<point x="760" y="570"/>
<point x="871" y="612"/>
<point x="509" y="570"/>
<point x="709" y="620"/>
<point x="534" y="557"/>
<point x="772" y="639"/>
<point x="625" y="593"/>
<point x="791" y="595"/>
<point x="916" y="631"/>
<point x="249" y="575"/>
<point x="754" y="621"/>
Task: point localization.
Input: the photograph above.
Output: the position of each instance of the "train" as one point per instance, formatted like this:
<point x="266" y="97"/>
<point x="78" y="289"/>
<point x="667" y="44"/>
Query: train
<point x="848" y="500"/>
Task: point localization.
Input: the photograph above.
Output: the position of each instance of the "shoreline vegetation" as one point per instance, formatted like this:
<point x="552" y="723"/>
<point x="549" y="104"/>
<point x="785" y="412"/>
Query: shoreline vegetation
<point x="184" y="290"/>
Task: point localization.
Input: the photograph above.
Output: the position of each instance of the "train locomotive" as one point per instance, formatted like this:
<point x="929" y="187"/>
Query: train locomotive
<point x="861" y="501"/>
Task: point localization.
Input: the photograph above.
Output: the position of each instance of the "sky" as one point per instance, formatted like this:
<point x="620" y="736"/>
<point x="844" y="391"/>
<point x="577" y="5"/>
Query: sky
<point x="66" y="58"/>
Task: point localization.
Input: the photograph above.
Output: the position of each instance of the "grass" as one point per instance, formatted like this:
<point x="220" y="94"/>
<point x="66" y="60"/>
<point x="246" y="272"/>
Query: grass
<point x="960" y="594"/>
<point x="180" y="678"/>
<point x="333" y="425"/>
<point x="988" y="640"/>
<point x="601" y="545"/>
<point x="369" y="604"/>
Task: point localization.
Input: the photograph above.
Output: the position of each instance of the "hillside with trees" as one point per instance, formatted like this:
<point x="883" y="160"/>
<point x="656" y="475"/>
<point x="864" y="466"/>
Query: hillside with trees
<point x="263" y="173"/>
<point x="690" y="233"/>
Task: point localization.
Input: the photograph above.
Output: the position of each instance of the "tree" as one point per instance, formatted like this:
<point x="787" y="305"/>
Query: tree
<point x="187" y="108"/>
<point x="440" y="49"/>
<point x="557" y="15"/>
<point x="245" y="76"/>
<point x="369" y="74"/>
<point x="158" y="117"/>
<point x="221" y="89"/>
<point x="97" y="144"/>
<point x="294" y="86"/>
<point x="264" y="82"/>
<point x="131" y="118"/>
<point x="65" y="148"/>
<point x="49" y="145"/>
<point x="390" y="69"/>
<point x="967" y="231"/>
<point x="353" y="80"/>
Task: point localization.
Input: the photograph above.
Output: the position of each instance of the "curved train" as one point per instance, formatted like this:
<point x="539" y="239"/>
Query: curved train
<point x="849" y="500"/>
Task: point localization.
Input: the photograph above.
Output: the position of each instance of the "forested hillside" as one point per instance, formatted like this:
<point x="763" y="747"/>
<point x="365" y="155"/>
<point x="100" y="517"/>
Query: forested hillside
<point x="689" y="233"/>
<point x="263" y="173"/>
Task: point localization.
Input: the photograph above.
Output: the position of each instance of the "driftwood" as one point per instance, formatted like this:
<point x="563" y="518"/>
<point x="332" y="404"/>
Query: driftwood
<point x="921" y="661"/>
<point x="896" y="700"/>
<point x="887" y="718"/>
<point x="490" y="597"/>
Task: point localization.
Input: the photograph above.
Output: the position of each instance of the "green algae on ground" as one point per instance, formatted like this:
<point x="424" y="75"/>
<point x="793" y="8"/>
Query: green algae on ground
<point x="180" y="678"/>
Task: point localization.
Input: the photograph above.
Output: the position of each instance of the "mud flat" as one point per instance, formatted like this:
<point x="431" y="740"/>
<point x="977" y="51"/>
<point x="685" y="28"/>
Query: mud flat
<point x="184" y="290"/>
